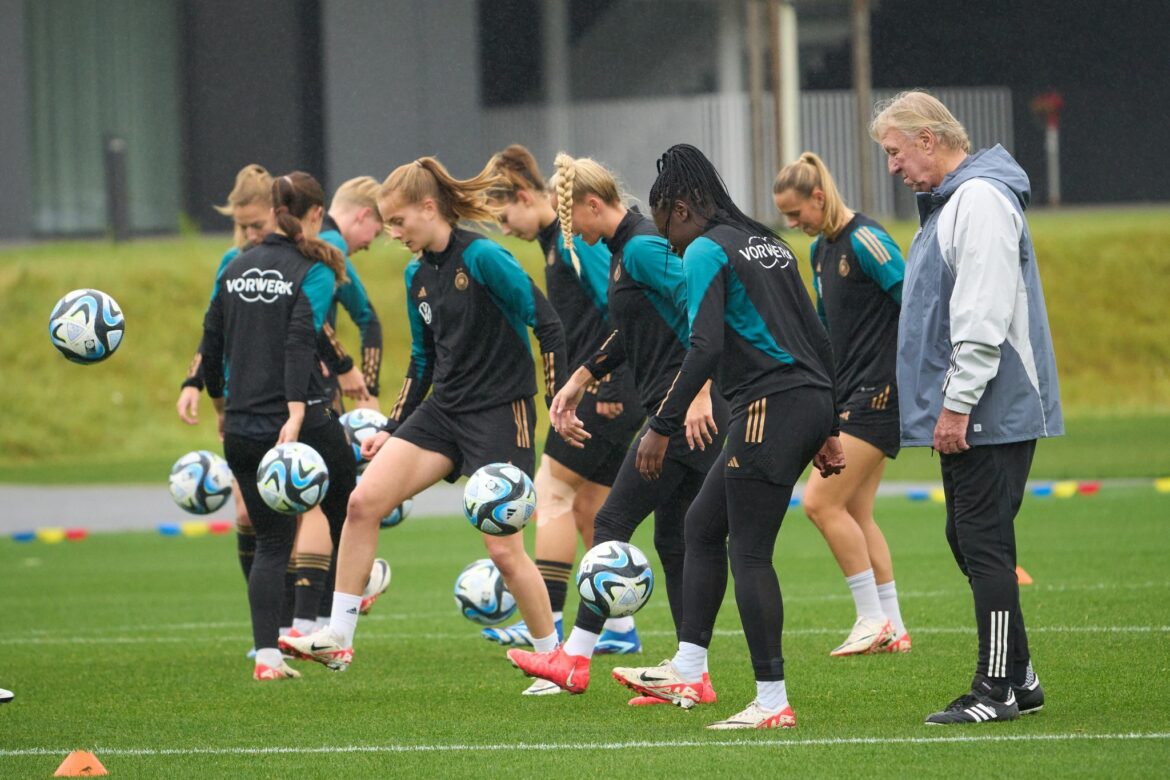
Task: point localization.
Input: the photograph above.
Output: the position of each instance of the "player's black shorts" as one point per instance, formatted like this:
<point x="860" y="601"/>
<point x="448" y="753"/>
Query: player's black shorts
<point x="603" y="454"/>
<point x="871" y="414"/>
<point x="774" y="438"/>
<point x="500" y="434"/>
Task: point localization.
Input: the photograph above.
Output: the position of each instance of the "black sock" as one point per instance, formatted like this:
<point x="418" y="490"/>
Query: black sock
<point x="556" y="579"/>
<point x="246" y="548"/>
<point x="311" y="571"/>
<point x="288" y="603"/>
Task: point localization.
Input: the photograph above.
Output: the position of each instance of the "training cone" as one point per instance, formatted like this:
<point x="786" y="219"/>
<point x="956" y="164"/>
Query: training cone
<point x="1024" y="577"/>
<point x="219" y="526"/>
<point x="938" y="495"/>
<point x="1162" y="485"/>
<point x="1066" y="489"/>
<point x="80" y="763"/>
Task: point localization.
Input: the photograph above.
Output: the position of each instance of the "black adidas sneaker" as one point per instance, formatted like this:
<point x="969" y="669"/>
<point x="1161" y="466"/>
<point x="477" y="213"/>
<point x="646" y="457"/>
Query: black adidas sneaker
<point x="978" y="706"/>
<point x="1029" y="697"/>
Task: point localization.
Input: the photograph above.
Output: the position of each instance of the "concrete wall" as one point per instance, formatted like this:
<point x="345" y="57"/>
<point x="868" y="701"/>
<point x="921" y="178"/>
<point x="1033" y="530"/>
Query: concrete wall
<point x="15" y="162"/>
<point x="401" y="80"/>
<point x="252" y="93"/>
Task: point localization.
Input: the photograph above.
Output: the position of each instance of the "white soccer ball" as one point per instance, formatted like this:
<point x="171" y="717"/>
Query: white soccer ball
<point x="481" y="595"/>
<point x="86" y="326"/>
<point x="359" y="425"/>
<point x="201" y="482"/>
<point x="499" y="499"/>
<point x="292" y="478"/>
<point x="615" y="579"/>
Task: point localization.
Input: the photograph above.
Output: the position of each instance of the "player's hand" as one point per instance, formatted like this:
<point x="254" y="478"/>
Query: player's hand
<point x="610" y="410"/>
<point x="830" y="458"/>
<point x="353" y="385"/>
<point x="291" y="430"/>
<point x="700" y="423"/>
<point x="564" y="404"/>
<point x="374" y="443"/>
<point x="188" y="405"/>
<point x="651" y="454"/>
<point x="370" y="402"/>
<point x="950" y="433"/>
<point x="572" y="430"/>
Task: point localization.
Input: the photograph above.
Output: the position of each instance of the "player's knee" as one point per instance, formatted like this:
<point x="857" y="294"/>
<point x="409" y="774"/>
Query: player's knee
<point x="555" y="497"/>
<point x="361" y="508"/>
<point x="507" y="558"/>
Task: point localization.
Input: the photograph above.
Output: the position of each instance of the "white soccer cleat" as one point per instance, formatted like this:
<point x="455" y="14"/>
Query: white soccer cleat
<point x="756" y="717"/>
<point x="868" y="635"/>
<point x="663" y="682"/>
<point x="543" y="688"/>
<point x="6" y="696"/>
<point x="376" y="585"/>
<point x="320" y="646"/>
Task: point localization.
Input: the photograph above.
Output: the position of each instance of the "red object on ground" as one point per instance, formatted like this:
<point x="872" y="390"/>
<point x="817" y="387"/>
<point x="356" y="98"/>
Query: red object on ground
<point x="219" y="526"/>
<point x="76" y="534"/>
<point x="1022" y="576"/>
<point x="1089" y="488"/>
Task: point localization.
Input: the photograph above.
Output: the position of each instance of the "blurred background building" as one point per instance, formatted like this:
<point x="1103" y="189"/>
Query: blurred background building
<point x="198" y="88"/>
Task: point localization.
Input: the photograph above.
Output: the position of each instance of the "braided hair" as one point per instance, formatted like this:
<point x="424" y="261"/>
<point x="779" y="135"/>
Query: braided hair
<point x="565" y="179"/>
<point x="685" y="173"/>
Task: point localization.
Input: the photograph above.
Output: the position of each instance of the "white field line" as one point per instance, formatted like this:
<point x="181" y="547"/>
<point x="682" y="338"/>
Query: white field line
<point x="643" y="744"/>
<point x="473" y="634"/>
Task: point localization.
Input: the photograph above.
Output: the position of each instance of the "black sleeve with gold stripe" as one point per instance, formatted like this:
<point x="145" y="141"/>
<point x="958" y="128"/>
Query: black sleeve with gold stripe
<point x="331" y="352"/>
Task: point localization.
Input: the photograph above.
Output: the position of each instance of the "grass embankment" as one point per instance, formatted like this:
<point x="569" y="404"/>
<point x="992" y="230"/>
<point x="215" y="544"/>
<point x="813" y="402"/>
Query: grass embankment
<point x="1106" y="281"/>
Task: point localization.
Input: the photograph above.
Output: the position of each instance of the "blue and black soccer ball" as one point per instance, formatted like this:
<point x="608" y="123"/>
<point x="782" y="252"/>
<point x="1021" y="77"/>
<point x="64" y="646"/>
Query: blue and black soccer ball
<point x="481" y="595"/>
<point x="86" y="326"/>
<point x="499" y="499"/>
<point x="615" y="579"/>
<point x="201" y="482"/>
<point x="292" y="478"/>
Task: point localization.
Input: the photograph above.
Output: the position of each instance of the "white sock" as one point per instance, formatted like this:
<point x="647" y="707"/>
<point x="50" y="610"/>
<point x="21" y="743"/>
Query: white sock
<point x="283" y="630"/>
<point x="343" y="620"/>
<point x="772" y="695"/>
<point x="545" y="643"/>
<point x="558" y="616"/>
<point x="865" y="595"/>
<point x="304" y="626"/>
<point x="322" y="623"/>
<point x="270" y="657"/>
<point x="690" y="661"/>
<point x="620" y="625"/>
<point x="889" y="596"/>
<point x="581" y="642"/>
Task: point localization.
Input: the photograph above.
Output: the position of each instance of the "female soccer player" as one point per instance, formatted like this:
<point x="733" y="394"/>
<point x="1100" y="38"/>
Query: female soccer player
<point x="249" y="204"/>
<point x="647" y="310"/>
<point x="276" y="391"/>
<point x="352" y="224"/>
<point x="571" y="483"/>
<point x="857" y="278"/>
<point x="750" y="320"/>
<point x="470" y="306"/>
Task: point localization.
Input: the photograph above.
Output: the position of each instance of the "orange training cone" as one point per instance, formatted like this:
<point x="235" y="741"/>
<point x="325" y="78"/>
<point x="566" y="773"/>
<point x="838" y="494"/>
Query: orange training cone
<point x="80" y="763"/>
<point x="1024" y="577"/>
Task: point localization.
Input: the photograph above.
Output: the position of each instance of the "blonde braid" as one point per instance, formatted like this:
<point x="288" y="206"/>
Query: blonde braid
<point x="566" y="172"/>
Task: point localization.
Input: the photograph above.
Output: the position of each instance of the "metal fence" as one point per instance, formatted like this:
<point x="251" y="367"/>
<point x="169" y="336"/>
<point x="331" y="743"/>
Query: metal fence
<point x="628" y="135"/>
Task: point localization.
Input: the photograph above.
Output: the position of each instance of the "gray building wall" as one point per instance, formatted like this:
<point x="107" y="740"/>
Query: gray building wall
<point x="401" y="81"/>
<point x="16" y="161"/>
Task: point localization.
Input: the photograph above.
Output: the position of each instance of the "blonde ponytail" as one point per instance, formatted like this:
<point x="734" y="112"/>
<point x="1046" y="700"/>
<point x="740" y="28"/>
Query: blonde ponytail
<point x="253" y="185"/>
<point x="807" y="174"/>
<point x="456" y="199"/>
<point x="565" y="177"/>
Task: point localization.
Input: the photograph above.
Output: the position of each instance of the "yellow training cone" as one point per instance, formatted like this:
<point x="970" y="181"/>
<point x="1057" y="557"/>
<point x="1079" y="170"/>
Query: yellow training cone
<point x="1066" y="489"/>
<point x="938" y="495"/>
<point x="1162" y="485"/>
<point x="51" y="535"/>
<point x="194" y="528"/>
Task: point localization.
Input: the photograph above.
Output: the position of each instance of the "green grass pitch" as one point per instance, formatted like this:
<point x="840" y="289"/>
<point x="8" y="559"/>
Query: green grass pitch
<point x="132" y="645"/>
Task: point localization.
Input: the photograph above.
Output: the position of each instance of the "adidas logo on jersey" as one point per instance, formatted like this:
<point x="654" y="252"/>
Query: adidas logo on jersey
<point x="732" y="463"/>
<point x="255" y="285"/>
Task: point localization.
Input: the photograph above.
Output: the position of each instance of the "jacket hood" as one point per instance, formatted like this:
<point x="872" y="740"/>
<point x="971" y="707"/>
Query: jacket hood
<point x="994" y="163"/>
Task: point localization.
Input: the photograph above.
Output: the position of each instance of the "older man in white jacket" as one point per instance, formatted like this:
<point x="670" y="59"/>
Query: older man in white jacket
<point x="976" y="374"/>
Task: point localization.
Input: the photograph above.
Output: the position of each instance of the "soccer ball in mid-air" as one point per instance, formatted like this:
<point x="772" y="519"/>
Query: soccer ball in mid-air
<point x="499" y="499"/>
<point x="615" y="579"/>
<point x="86" y="326"/>
<point x="481" y="595"/>
<point x="359" y="425"/>
<point x="201" y="482"/>
<point x="292" y="478"/>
